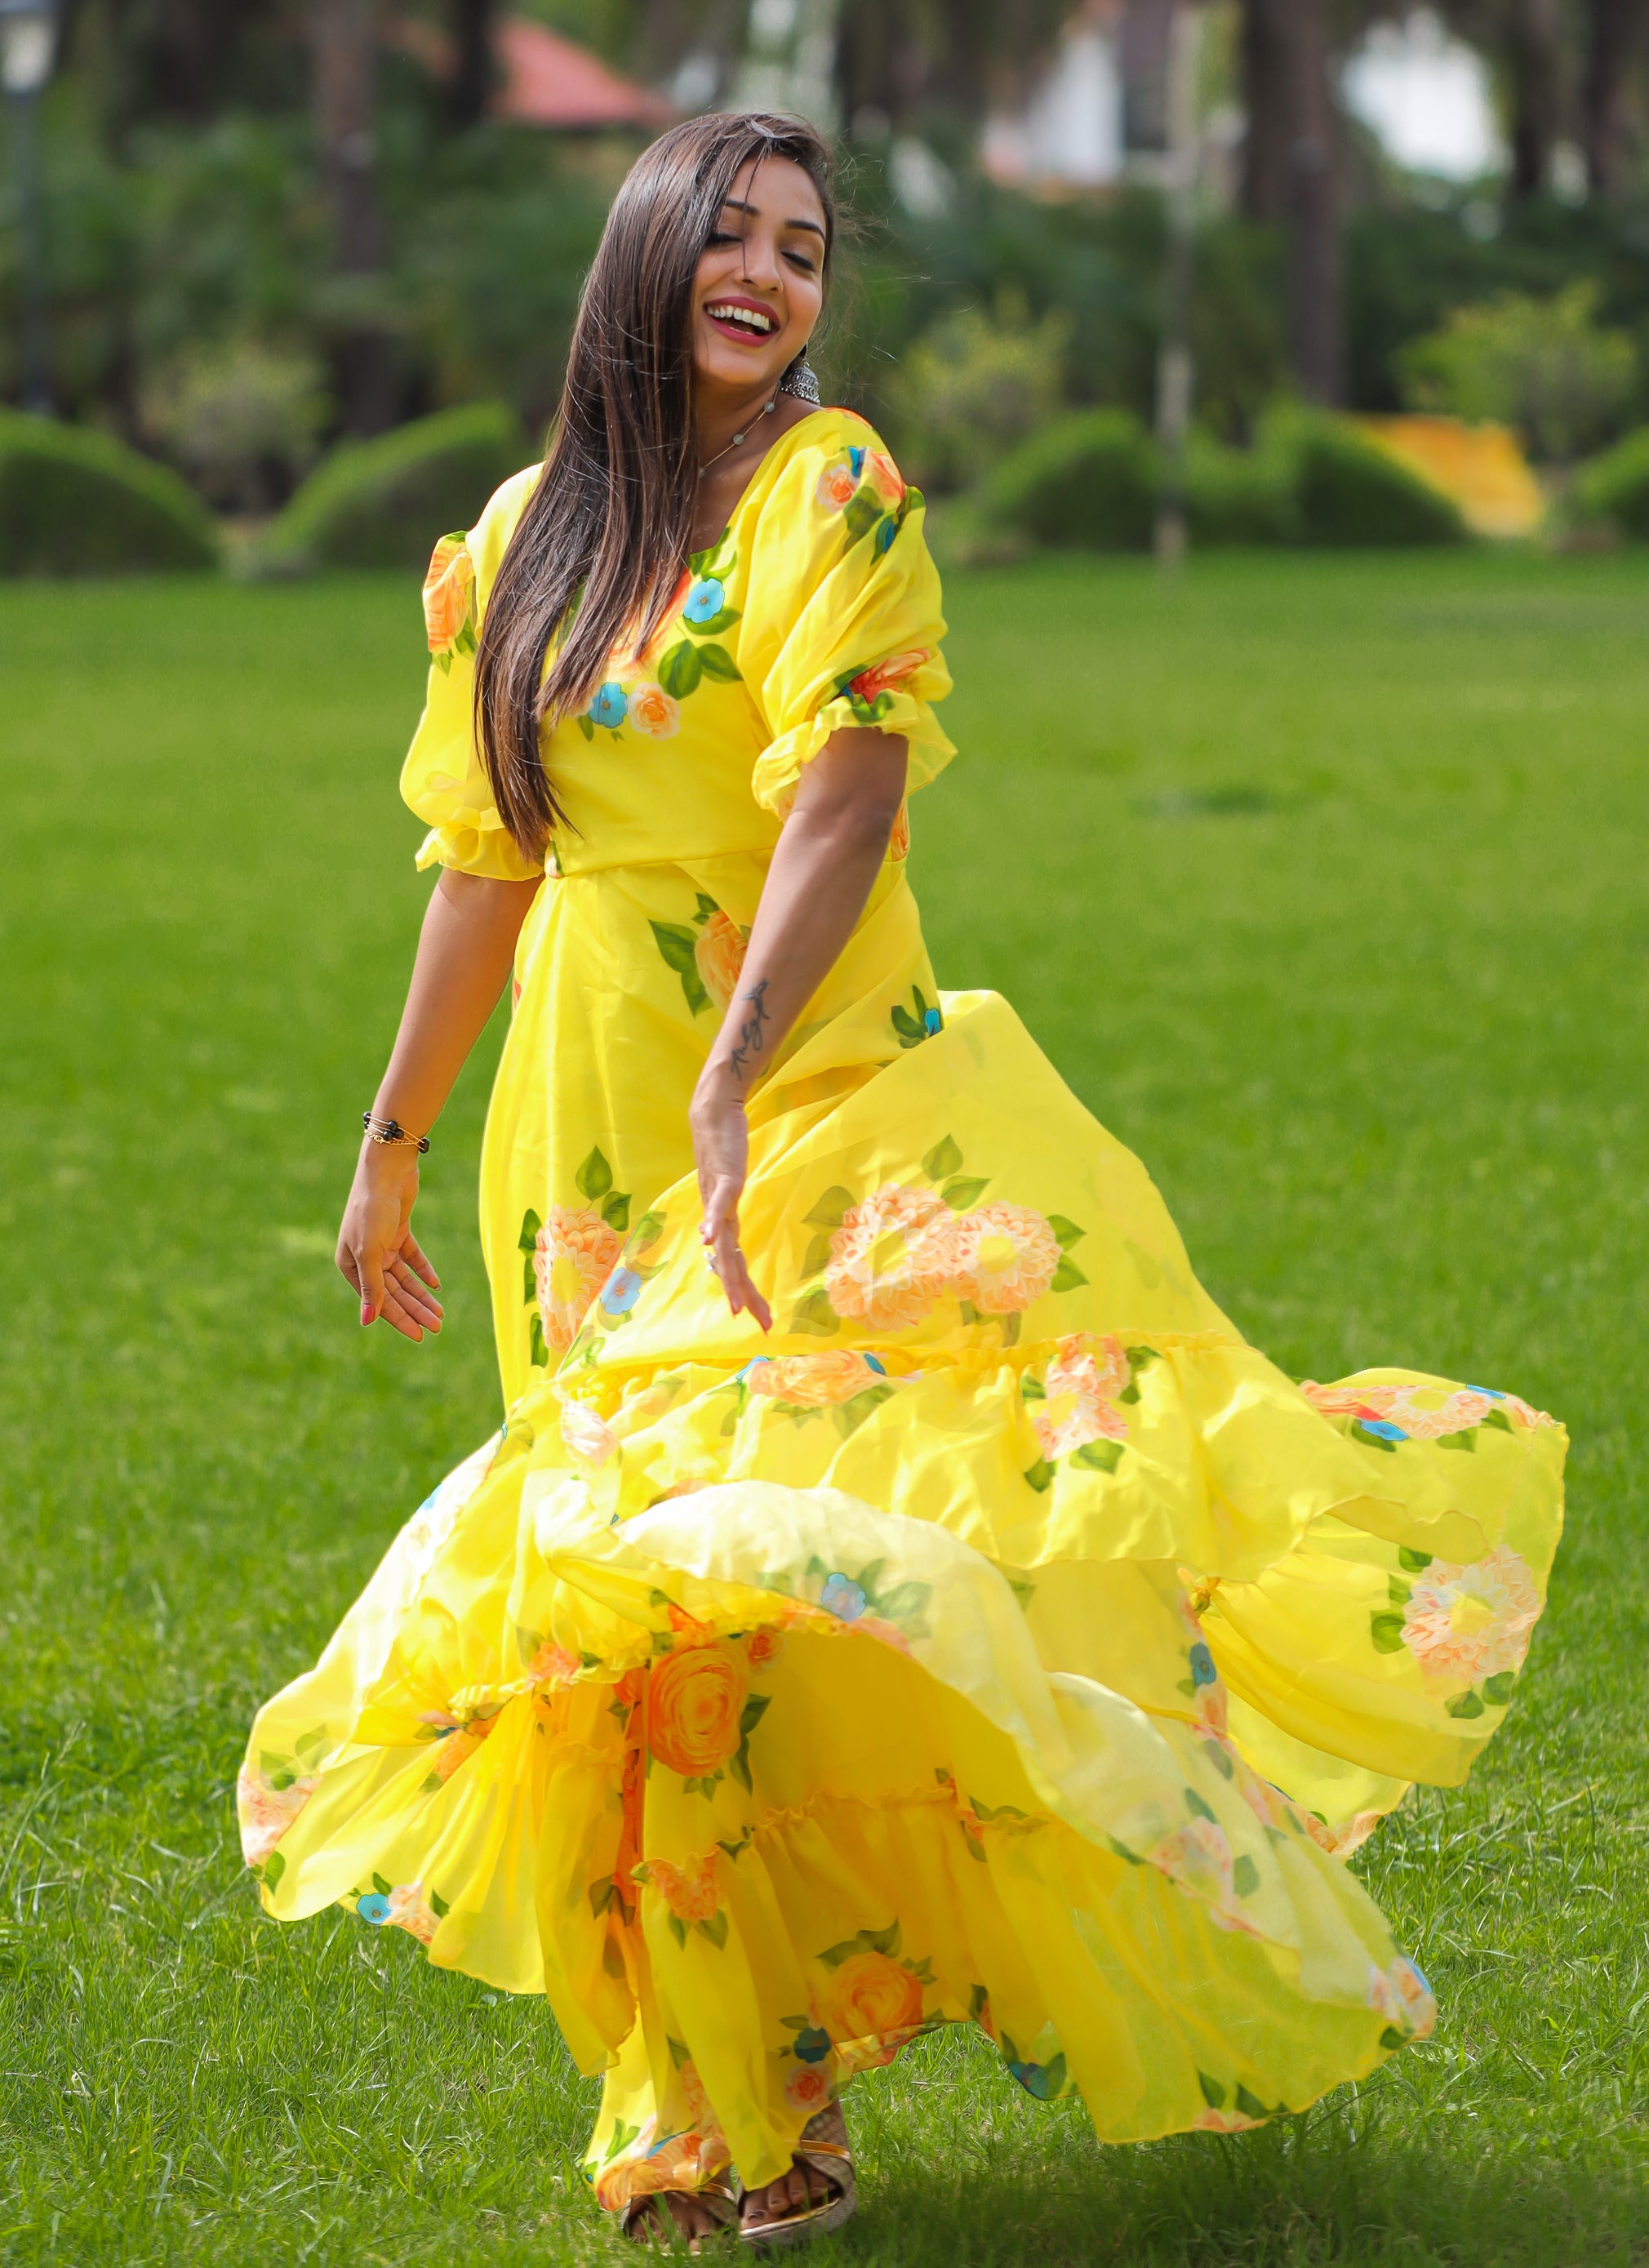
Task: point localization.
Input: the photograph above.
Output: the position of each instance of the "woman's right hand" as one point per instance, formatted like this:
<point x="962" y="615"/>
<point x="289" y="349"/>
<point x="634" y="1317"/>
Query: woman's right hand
<point x="377" y="1251"/>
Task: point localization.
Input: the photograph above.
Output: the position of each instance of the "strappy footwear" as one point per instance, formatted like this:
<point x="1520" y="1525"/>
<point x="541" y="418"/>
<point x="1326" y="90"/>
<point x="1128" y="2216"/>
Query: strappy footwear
<point x="824" y="2148"/>
<point x="647" y="2220"/>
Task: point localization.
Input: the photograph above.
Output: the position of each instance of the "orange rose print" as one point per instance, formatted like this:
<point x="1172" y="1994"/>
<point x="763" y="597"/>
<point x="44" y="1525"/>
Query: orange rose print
<point x="1005" y="1257"/>
<point x="449" y="598"/>
<point x="836" y="487"/>
<point x="574" y="1254"/>
<point x="719" y="956"/>
<point x="899" y="840"/>
<point x="691" y="1891"/>
<point x="653" y="713"/>
<point x="872" y="1998"/>
<point x="814" y="1381"/>
<point x="890" y="1259"/>
<point x="1082" y="1382"/>
<point x="886" y="474"/>
<point x="882" y="676"/>
<point x="763" y="1648"/>
<point x="695" y="1701"/>
<point x="807" y="2089"/>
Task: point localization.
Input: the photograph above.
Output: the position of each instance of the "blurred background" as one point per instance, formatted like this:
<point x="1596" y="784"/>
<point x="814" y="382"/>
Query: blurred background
<point x="1314" y="270"/>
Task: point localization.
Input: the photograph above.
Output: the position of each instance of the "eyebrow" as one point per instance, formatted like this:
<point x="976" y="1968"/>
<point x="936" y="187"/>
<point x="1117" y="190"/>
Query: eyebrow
<point x="738" y="205"/>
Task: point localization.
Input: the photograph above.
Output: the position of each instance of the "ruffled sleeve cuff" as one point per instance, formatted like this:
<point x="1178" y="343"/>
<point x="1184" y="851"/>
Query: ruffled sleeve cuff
<point x="778" y="769"/>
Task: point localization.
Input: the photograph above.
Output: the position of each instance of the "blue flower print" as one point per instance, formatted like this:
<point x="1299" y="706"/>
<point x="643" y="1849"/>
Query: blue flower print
<point x="1203" y="1670"/>
<point x="842" y="1598"/>
<point x="812" y="2045"/>
<point x="876" y="1364"/>
<point x="1036" y="2079"/>
<point x="621" y="1292"/>
<point x="885" y="533"/>
<point x="932" y="1021"/>
<point x="856" y="461"/>
<point x="610" y="706"/>
<point x="374" y="1907"/>
<point x="1382" y="1429"/>
<point x="704" y="601"/>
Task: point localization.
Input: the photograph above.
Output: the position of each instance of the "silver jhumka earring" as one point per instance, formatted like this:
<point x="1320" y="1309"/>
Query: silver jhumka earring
<point x="799" y="381"/>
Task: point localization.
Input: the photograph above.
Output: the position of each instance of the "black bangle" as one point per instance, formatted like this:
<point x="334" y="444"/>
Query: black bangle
<point x="393" y="1133"/>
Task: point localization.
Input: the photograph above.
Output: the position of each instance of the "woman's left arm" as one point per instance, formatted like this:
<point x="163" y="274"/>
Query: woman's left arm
<point x="828" y="856"/>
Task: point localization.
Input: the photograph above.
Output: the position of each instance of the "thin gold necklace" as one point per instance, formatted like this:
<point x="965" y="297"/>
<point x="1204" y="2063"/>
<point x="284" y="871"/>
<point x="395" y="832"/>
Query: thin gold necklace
<point x="738" y="438"/>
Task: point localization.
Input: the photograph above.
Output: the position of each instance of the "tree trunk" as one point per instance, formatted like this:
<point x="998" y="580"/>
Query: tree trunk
<point x="1291" y="174"/>
<point x="344" y="34"/>
<point x="1614" y="30"/>
<point x="471" y="84"/>
<point x="1532" y="41"/>
<point x="1265" y="97"/>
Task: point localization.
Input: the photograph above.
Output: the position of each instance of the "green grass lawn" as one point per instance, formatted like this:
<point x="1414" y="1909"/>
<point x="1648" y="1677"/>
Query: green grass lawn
<point x="1326" y="883"/>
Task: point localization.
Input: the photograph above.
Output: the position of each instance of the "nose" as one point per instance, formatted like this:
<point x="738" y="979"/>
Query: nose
<point x="759" y="267"/>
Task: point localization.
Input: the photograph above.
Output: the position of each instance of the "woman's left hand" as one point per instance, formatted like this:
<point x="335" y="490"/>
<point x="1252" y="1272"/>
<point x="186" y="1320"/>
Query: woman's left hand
<point x="721" y="1151"/>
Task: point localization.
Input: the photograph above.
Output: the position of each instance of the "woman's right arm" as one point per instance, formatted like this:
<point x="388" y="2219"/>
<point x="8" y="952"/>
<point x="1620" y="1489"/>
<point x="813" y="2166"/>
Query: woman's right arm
<point x="465" y="952"/>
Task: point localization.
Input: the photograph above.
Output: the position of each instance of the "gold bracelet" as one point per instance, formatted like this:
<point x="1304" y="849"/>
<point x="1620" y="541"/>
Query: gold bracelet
<point x="393" y="1133"/>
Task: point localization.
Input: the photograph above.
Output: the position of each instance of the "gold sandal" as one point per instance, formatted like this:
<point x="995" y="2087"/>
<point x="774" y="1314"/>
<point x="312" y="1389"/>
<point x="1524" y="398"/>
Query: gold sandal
<point x="647" y="2220"/>
<point x="824" y="2148"/>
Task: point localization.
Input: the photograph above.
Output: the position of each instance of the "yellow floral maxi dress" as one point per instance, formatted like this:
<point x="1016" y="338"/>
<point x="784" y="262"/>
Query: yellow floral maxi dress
<point x="1002" y="1640"/>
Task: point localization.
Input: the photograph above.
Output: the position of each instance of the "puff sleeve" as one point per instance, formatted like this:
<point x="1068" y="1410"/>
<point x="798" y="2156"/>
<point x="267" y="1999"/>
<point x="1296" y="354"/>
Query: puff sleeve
<point x="843" y="621"/>
<point x="444" y="779"/>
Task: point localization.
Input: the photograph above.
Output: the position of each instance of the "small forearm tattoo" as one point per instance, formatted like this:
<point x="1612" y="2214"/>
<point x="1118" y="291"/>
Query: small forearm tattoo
<point x="751" y="1042"/>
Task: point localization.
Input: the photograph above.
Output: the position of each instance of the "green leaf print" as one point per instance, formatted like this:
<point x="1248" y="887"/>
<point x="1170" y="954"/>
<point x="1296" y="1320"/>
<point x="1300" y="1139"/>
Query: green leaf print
<point x="594" y="1177"/>
<point x="1065" y="1231"/>
<point x="615" y="1209"/>
<point x="1250" y="2105"/>
<point x="817" y="1254"/>
<point x="529" y="1278"/>
<point x="832" y="1209"/>
<point x="649" y="1229"/>
<point x="862" y="515"/>
<point x="718" y="665"/>
<point x="868" y="1941"/>
<point x="274" y="1868"/>
<point x="1099" y="1456"/>
<point x="1468" y="1703"/>
<point x="850" y="1416"/>
<point x="1067" y="1276"/>
<point x="1414" y="1561"/>
<point x="438" y="1906"/>
<point x="1040" y="1475"/>
<point x="680" y="668"/>
<point x="815" y="1315"/>
<point x="965" y="1190"/>
<point x="530" y="1225"/>
<point x="942" y="1160"/>
<point x="1497" y="1690"/>
<point x="537" y="1352"/>
<point x="719" y="561"/>
<point x="1499" y="1420"/>
<point x="679" y="949"/>
<point x="715" y="1929"/>
<point x="1386" y="1629"/>
<point x="1244" y="1877"/>
<point x="714" y="624"/>
<point x="1213" y="2092"/>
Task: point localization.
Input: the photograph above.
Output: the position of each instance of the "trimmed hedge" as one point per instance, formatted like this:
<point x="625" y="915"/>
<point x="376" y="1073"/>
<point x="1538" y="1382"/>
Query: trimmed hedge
<point x="1349" y="494"/>
<point x="1238" y="496"/>
<point x="387" y="502"/>
<point x="73" y="502"/>
<point x="1616" y="485"/>
<point x="1088" y="481"/>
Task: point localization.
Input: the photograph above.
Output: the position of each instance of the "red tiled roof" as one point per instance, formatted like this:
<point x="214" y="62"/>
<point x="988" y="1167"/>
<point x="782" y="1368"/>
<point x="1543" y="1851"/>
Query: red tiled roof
<point x="549" y="81"/>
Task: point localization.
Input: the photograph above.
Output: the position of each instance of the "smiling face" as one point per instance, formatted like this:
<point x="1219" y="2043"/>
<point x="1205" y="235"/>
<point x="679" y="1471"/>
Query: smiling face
<point x="759" y="280"/>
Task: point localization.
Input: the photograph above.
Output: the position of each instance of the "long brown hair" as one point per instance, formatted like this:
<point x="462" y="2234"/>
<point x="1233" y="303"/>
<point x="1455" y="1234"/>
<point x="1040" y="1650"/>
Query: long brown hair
<point x="601" y="545"/>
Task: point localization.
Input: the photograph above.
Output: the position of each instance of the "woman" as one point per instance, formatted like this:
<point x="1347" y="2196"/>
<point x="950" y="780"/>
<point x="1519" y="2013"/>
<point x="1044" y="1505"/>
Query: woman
<point x="897" y="1595"/>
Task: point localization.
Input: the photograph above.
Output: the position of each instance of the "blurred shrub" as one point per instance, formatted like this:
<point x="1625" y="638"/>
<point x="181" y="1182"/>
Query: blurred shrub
<point x="78" y="503"/>
<point x="1546" y="366"/>
<point x="1615" y="486"/>
<point x="387" y="502"/>
<point x="244" y="419"/>
<point x="1239" y="495"/>
<point x="1346" y="492"/>
<point x="1087" y="480"/>
<point x="972" y="387"/>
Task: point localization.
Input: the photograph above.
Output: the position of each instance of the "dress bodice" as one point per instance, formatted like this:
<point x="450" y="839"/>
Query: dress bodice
<point x="817" y="607"/>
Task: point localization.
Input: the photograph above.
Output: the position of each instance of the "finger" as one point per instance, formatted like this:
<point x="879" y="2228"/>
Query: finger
<point x="412" y="1252"/>
<point x="748" y="1296"/>
<point x="343" y="1260"/>
<point x="413" y="1295"/>
<point x="369" y="1278"/>
<point x="398" y="1317"/>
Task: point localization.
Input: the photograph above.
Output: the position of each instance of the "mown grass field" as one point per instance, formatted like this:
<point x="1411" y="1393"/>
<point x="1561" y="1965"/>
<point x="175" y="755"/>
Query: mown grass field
<point x="1326" y="883"/>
